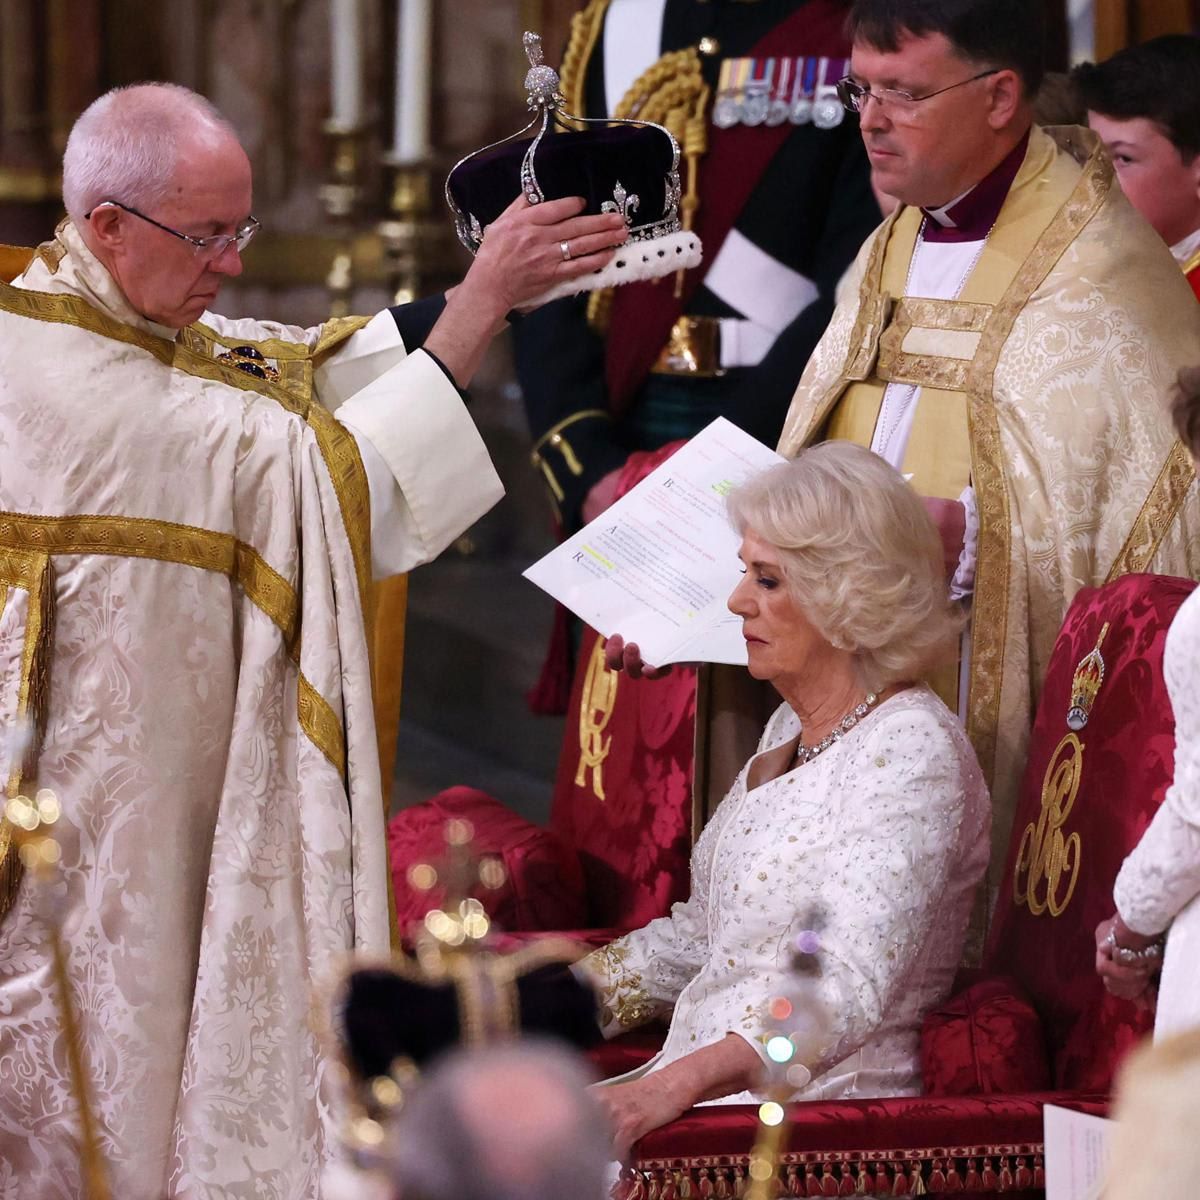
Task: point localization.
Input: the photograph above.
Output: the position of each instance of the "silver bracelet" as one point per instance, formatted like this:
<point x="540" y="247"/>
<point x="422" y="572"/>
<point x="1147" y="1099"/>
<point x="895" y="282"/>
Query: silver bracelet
<point x="1148" y="956"/>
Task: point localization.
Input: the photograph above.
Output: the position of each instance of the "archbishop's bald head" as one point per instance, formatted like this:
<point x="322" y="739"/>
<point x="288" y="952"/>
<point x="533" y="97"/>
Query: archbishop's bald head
<point x="127" y="144"/>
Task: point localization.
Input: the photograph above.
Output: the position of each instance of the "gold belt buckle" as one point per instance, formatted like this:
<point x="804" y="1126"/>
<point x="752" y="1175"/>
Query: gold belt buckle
<point x="693" y="349"/>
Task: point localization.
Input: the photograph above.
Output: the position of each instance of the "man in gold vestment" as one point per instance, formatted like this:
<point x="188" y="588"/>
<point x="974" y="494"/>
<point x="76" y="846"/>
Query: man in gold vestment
<point x="1008" y="339"/>
<point x="187" y="540"/>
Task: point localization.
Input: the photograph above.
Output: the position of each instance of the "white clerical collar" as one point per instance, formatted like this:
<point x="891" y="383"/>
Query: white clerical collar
<point x="1187" y="249"/>
<point x="92" y="278"/>
<point x="942" y="215"/>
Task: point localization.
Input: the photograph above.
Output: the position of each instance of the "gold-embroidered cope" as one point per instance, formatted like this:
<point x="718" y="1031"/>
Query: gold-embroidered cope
<point x="183" y="623"/>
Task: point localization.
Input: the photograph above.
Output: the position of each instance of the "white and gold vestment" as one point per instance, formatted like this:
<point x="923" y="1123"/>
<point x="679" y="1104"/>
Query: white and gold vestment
<point x="185" y="569"/>
<point x="1043" y="386"/>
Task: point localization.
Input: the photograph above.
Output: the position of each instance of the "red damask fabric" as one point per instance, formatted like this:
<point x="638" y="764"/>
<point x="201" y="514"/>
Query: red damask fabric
<point x="622" y="797"/>
<point x="985" y="1040"/>
<point x="544" y="887"/>
<point x="1086" y="799"/>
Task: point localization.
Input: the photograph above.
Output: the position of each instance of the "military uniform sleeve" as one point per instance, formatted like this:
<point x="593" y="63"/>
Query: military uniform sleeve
<point x="560" y="367"/>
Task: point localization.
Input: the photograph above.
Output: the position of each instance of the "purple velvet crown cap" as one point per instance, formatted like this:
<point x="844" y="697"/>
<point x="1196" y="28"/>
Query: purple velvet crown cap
<point x="628" y="167"/>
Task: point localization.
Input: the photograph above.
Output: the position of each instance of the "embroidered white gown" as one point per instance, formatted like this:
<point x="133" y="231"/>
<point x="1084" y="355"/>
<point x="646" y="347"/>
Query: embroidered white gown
<point x="888" y="832"/>
<point x="1159" y="883"/>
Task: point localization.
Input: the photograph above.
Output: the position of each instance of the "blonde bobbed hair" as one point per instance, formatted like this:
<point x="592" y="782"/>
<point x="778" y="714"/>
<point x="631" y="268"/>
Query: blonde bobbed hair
<point x="860" y="555"/>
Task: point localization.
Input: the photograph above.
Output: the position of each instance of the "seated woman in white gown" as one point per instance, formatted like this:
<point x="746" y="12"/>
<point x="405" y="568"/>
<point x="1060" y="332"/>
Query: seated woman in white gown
<point x="1157" y="892"/>
<point x="864" y="800"/>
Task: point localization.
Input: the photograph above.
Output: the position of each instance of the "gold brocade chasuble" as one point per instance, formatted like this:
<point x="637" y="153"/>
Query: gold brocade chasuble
<point x="1044" y="385"/>
<point x="184" y="568"/>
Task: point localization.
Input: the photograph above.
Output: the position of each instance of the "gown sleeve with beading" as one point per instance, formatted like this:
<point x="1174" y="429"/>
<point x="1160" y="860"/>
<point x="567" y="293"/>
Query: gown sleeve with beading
<point x="1159" y="883"/>
<point x="886" y="834"/>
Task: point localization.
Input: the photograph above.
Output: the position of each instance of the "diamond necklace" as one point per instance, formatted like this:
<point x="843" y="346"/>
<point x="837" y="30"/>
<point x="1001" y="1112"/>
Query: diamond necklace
<point x="805" y="754"/>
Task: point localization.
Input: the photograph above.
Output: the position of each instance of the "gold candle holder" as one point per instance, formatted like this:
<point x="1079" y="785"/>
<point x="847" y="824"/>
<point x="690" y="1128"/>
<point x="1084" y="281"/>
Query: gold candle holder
<point x="341" y="198"/>
<point x="410" y="237"/>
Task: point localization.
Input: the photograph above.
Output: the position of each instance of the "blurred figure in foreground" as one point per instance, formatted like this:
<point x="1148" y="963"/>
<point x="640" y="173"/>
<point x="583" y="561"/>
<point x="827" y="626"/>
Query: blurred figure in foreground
<point x="509" y="1122"/>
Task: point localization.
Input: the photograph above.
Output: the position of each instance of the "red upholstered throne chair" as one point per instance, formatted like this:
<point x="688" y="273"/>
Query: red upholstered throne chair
<point x="615" y="855"/>
<point x="1035" y="1026"/>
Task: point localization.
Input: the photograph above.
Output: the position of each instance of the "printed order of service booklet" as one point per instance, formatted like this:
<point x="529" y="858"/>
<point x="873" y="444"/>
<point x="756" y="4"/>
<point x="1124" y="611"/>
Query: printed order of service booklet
<point x="659" y="565"/>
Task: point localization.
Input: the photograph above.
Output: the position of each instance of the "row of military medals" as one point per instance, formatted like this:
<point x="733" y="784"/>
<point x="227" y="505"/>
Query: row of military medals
<point x="770" y="91"/>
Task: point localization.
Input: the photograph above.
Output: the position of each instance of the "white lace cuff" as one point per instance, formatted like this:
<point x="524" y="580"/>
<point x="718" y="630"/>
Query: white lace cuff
<point x="963" y="583"/>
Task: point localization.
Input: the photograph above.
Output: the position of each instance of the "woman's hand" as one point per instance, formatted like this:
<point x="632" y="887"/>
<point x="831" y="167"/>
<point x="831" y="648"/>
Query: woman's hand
<point x="720" y="1069"/>
<point x="636" y="1108"/>
<point x="1127" y="981"/>
<point x="628" y="658"/>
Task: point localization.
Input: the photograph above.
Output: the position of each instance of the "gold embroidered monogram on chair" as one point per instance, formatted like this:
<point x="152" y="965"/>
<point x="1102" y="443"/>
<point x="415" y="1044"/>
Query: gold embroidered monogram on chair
<point x="595" y="711"/>
<point x="1047" y="868"/>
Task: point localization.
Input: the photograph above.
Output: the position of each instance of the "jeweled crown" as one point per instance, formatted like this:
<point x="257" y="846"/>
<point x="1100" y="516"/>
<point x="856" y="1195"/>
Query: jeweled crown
<point x="1089" y="675"/>
<point x="620" y="166"/>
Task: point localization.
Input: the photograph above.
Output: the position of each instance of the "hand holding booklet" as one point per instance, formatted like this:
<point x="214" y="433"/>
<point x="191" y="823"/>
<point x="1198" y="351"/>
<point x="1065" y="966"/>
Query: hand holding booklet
<point x="659" y="565"/>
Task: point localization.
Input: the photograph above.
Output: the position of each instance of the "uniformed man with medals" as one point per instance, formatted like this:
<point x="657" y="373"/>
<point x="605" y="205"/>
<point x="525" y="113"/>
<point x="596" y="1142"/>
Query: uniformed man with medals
<point x="777" y="186"/>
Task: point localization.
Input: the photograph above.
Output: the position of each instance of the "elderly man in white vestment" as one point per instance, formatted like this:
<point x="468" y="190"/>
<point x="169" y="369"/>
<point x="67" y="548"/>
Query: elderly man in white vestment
<point x="187" y="538"/>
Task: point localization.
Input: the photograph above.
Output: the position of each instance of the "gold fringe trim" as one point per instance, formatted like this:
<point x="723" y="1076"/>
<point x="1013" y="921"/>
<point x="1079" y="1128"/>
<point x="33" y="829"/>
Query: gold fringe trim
<point x="1015" y="1166"/>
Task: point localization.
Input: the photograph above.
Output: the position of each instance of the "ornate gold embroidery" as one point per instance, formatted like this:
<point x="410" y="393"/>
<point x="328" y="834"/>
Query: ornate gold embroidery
<point x="203" y="339"/>
<point x="1157" y="514"/>
<point x="1044" y="856"/>
<point x="989" y="624"/>
<point x="337" y="446"/>
<point x="946" y="373"/>
<point x="924" y="370"/>
<point x="320" y="723"/>
<point x="335" y="331"/>
<point x="805" y="422"/>
<point x="342" y="459"/>
<point x="291" y="367"/>
<point x="961" y="316"/>
<point x="20" y="568"/>
<point x="188" y="545"/>
<point x="595" y="712"/>
<point x="623" y="999"/>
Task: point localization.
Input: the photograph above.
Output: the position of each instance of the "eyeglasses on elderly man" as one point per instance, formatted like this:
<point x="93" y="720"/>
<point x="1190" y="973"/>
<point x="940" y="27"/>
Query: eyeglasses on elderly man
<point x="213" y="246"/>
